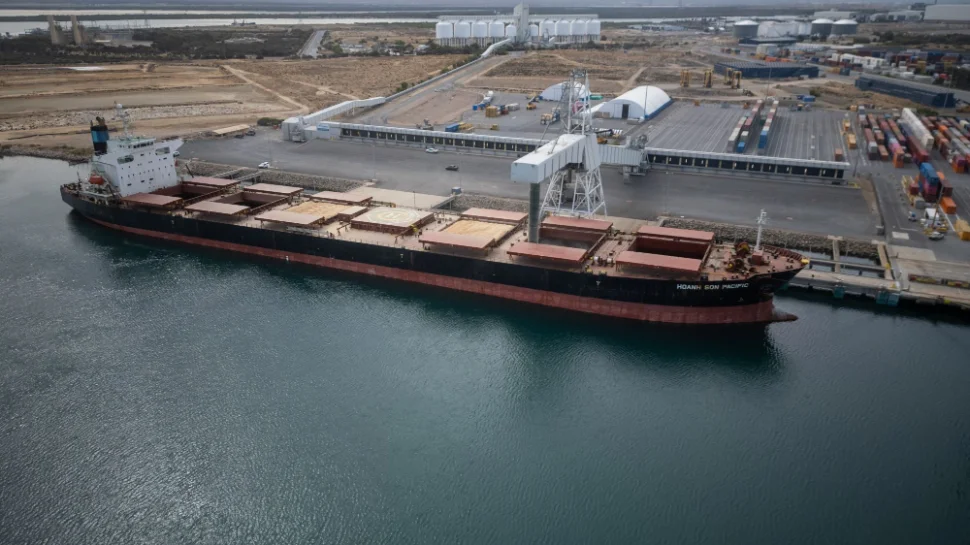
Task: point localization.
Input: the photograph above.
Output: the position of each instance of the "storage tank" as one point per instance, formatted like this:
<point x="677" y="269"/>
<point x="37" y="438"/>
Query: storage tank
<point x="593" y="28"/>
<point x="844" y="27"/>
<point x="578" y="28"/>
<point x="510" y="31"/>
<point x="480" y="29"/>
<point x="496" y="29"/>
<point x="803" y="29"/>
<point x="534" y="30"/>
<point x="746" y="29"/>
<point x="444" y="30"/>
<point x="548" y="28"/>
<point x="463" y="29"/>
<point x="562" y="27"/>
<point x="821" y="27"/>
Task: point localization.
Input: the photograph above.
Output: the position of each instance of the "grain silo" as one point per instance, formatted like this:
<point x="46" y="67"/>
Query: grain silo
<point x="463" y="30"/>
<point x="821" y="27"/>
<point x="510" y="30"/>
<point x="578" y="28"/>
<point x="745" y="29"/>
<point x="496" y="29"/>
<point x="480" y="30"/>
<point x="548" y="28"/>
<point x="844" y="27"/>
<point x="593" y="29"/>
<point x="444" y="31"/>
<point x="533" y="30"/>
<point x="562" y="27"/>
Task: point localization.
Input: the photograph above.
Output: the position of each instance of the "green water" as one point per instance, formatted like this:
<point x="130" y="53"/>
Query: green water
<point x="151" y="393"/>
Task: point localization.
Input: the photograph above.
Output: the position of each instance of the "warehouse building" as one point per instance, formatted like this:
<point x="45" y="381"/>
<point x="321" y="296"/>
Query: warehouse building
<point x="643" y="102"/>
<point x="929" y="95"/>
<point x="556" y="92"/>
<point x="761" y="69"/>
<point x="950" y="13"/>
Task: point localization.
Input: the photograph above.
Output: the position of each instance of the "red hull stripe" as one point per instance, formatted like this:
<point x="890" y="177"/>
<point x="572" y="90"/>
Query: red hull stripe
<point x="754" y="313"/>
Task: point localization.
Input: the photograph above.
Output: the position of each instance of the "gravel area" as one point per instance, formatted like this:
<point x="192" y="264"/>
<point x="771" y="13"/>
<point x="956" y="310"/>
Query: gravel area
<point x="470" y="200"/>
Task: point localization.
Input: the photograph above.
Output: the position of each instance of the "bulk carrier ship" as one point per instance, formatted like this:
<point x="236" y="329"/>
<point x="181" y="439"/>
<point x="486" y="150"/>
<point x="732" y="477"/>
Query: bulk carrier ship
<point x="646" y="273"/>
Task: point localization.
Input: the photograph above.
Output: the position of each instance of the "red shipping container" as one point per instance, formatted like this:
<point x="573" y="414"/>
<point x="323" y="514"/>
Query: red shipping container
<point x="929" y="189"/>
<point x="914" y="189"/>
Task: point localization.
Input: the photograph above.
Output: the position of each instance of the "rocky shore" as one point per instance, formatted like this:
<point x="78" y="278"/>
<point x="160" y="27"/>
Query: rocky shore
<point x="61" y="154"/>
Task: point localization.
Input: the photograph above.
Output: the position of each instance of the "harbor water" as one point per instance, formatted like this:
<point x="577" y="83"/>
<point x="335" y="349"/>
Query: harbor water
<point x="151" y="393"/>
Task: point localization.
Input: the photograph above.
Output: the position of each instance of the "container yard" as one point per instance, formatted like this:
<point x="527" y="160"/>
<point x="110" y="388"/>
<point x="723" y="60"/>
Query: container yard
<point x="715" y="128"/>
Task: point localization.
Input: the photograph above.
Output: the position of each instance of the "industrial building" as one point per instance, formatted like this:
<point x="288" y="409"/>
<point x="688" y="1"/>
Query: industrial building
<point x="950" y="13"/>
<point x="929" y="95"/>
<point x="761" y="69"/>
<point x="779" y="41"/>
<point x="555" y="92"/>
<point x="822" y="27"/>
<point x="835" y="15"/>
<point x="520" y="27"/>
<point x="642" y="102"/>
<point x="746" y="29"/>
<point x="845" y="27"/>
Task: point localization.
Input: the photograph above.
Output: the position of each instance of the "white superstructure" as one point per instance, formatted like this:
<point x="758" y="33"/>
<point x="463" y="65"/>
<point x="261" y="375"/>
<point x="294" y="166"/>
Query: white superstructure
<point x="549" y="30"/>
<point x="137" y="164"/>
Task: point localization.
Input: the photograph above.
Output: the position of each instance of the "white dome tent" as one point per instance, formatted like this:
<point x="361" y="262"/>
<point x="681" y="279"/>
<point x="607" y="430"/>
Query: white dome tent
<point x="555" y="92"/>
<point x="642" y="102"/>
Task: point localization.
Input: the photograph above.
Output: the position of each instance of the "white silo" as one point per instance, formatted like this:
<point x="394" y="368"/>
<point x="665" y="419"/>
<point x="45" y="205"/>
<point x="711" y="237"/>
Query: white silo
<point x="496" y="29"/>
<point x="548" y="28"/>
<point x="444" y="31"/>
<point x="463" y="30"/>
<point x="844" y="27"/>
<point x="562" y="27"/>
<point x="480" y="29"/>
<point x="534" y="30"/>
<point x="510" y="31"/>
<point x="593" y="28"/>
<point x="578" y="28"/>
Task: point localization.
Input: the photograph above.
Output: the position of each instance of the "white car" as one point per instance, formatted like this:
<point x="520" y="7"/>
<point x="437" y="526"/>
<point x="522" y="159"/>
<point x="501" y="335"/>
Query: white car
<point x="431" y="150"/>
<point x="936" y="235"/>
<point x="264" y="164"/>
<point x="176" y="153"/>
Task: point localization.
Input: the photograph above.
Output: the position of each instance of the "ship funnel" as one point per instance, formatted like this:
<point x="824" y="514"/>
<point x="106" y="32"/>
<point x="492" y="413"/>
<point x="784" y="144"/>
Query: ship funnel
<point x="99" y="135"/>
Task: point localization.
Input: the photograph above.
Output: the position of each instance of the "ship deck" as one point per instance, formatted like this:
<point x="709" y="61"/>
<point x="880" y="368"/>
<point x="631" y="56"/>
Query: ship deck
<point x="496" y="236"/>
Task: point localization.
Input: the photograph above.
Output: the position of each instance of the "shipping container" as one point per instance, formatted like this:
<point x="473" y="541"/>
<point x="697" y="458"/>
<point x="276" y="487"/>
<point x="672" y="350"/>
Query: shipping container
<point x="883" y="153"/>
<point x="945" y="188"/>
<point x="451" y="128"/>
<point x="852" y="142"/>
<point x="839" y="155"/>
<point x="948" y="206"/>
<point x="898" y="160"/>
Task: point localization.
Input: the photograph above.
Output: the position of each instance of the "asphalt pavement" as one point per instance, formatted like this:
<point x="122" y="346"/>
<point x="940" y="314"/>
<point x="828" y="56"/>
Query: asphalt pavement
<point x="791" y="204"/>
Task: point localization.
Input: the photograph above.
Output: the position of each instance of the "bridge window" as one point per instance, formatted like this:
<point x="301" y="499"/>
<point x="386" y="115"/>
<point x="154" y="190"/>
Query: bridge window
<point x="162" y="151"/>
<point x="125" y="159"/>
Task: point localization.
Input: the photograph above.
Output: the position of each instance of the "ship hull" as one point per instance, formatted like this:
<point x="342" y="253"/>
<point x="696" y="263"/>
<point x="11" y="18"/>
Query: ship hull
<point x="666" y="301"/>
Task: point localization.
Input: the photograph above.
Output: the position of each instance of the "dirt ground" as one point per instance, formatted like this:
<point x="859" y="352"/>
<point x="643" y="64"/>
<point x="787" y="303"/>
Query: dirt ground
<point x="324" y="82"/>
<point x="52" y="106"/>
<point x="370" y="35"/>
<point x="611" y="72"/>
<point x="841" y="96"/>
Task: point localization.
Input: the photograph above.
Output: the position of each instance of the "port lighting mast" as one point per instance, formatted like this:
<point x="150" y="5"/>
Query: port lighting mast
<point x="582" y="176"/>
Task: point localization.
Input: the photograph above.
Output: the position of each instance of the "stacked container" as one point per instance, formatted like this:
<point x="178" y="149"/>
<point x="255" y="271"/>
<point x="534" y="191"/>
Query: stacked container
<point x="929" y="180"/>
<point x="763" y="139"/>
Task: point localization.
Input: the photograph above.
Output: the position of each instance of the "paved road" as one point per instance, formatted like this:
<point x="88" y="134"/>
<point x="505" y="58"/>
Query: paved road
<point x="312" y="45"/>
<point x="794" y="205"/>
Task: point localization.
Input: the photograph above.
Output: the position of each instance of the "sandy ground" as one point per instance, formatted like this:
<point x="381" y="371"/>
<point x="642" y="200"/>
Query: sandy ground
<point x="53" y="106"/>
<point x="611" y="72"/>
<point x="324" y="82"/>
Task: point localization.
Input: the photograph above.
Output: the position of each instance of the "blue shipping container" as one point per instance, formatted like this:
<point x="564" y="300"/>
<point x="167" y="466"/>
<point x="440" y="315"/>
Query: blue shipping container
<point x="928" y="172"/>
<point x="474" y="107"/>
<point x="740" y="147"/>
<point x="808" y="98"/>
<point x="763" y="139"/>
<point x="452" y="128"/>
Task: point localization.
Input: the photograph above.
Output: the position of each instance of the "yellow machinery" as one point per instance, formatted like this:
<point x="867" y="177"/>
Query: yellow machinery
<point x="493" y="128"/>
<point x="685" y="78"/>
<point x="530" y="106"/>
<point x="708" y="78"/>
<point x="728" y="76"/>
<point x="737" y="80"/>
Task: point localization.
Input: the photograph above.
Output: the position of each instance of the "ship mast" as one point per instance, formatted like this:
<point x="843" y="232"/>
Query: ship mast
<point x="122" y="114"/>
<point x="762" y="220"/>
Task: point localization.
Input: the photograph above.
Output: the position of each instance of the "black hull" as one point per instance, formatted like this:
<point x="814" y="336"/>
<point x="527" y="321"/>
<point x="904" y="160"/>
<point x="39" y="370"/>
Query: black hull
<point x="678" y="297"/>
